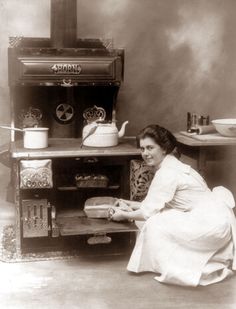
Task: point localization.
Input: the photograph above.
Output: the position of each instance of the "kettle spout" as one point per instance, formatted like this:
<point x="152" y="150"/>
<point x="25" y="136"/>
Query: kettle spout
<point x="121" y="133"/>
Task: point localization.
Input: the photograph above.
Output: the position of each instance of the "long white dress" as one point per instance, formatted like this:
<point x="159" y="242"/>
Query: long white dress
<point x="189" y="234"/>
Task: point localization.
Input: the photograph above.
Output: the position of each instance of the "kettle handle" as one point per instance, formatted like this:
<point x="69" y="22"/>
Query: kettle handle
<point x="91" y="131"/>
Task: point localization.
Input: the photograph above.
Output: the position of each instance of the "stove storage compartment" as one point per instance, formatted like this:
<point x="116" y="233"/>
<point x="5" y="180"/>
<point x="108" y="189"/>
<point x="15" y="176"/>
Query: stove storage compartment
<point x="70" y="198"/>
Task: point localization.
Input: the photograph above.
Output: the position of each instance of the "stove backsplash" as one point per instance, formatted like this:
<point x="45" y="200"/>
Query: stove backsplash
<point x="61" y="83"/>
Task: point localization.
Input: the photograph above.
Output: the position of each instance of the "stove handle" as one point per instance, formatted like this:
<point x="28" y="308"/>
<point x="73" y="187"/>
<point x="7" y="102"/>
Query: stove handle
<point x="66" y="83"/>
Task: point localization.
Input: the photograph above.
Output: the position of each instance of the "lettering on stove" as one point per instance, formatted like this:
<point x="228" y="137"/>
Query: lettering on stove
<point x="66" y="68"/>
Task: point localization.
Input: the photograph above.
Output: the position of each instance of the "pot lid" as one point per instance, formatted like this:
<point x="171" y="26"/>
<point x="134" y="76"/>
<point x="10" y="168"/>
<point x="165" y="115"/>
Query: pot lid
<point x="36" y="129"/>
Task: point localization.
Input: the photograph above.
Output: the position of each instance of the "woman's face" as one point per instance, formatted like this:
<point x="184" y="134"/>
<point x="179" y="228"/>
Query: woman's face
<point x="151" y="152"/>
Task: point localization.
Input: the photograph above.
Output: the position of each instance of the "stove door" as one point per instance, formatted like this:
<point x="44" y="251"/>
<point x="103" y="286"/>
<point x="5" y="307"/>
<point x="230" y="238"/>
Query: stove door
<point x="35" y="218"/>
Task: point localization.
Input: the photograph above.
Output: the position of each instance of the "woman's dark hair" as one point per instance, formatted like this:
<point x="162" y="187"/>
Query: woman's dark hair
<point x="164" y="138"/>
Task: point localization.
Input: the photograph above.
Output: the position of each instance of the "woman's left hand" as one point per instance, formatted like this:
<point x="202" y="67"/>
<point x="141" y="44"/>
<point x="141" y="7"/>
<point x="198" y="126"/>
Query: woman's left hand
<point x="118" y="214"/>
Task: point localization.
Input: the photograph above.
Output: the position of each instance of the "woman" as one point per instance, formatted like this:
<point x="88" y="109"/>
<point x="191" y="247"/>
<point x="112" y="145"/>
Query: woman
<point x="188" y="233"/>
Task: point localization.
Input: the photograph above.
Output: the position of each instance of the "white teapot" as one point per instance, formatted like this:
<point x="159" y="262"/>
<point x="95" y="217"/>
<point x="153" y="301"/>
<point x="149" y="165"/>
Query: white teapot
<point x="99" y="133"/>
<point x="102" y="134"/>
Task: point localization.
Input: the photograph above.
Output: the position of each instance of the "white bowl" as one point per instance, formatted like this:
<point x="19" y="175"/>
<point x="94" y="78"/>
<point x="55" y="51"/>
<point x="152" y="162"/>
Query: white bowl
<point x="226" y="127"/>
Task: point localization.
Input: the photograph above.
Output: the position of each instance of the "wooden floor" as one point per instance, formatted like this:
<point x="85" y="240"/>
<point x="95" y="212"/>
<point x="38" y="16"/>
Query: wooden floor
<point x="98" y="283"/>
<point x="101" y="283"/>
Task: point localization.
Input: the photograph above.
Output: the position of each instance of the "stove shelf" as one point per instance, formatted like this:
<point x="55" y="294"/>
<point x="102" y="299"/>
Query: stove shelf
<point x="75" y="188"/>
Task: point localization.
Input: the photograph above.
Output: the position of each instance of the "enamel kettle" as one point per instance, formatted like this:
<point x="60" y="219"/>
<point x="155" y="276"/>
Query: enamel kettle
<point x="99" y="133"/>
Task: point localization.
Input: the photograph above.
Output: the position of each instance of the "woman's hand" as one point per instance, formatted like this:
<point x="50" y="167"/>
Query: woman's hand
<point x="125" y="210"/>
<point x="118" y="214"/>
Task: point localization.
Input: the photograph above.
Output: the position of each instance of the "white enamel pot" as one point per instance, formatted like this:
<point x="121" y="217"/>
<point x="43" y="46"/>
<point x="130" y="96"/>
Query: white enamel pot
<point x="33" y="138"/>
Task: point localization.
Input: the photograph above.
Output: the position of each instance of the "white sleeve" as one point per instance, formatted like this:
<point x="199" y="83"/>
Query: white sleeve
<point x="161" y="191"/>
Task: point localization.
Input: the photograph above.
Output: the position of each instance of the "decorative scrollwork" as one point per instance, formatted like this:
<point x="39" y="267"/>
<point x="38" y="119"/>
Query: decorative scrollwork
<point x="66" y="83"/>
<point x="32" y="178"/>
<point x="94" y="113"/>
<point x="14" y="41"/>
<point x="141" y="176"/>
<point x="35" y="174"/>
<point x="31" y="117"/>
<point x="108" y="43"/>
